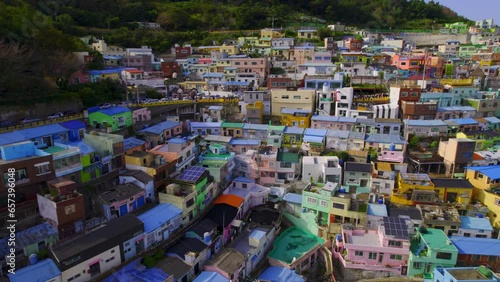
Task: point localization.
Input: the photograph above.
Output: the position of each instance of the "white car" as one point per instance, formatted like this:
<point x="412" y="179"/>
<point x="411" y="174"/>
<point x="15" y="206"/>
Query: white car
<point x="106" y="106"/>
<point x="153" y="101"/>
<point x="186" y="99"/>
<point x="55" y="115"/>
<point x="165" y="99"/>
<point x="175" y="99"/>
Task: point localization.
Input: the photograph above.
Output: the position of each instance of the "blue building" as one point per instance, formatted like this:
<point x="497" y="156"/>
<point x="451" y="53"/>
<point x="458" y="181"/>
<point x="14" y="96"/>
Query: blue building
<point x="205" y="128"/>
<point x="45" y="270"/>
<point x="75" y="128"/>
<point x="463" y="274"/>
<point x="42" y="136"/>
<point x="280" y="274"/>
<point x="477" y="251"/>
<point x="159" y="223"/>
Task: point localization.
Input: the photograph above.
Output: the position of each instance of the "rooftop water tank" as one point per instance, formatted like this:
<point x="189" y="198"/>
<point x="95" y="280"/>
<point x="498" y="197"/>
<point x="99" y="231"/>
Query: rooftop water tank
<point x="33" y="259"/>
<point x="392" y="147"/>
<point x="206" y="238"/>
<point x="339" y="237"/>
<point x="380" y="201"/>
<point x="479" y="215"/>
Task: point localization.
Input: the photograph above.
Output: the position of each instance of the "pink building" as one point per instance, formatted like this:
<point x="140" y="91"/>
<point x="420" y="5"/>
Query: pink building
<point x="258" y="66"/>
<point x="238" y="145"/>
<point x="79" y="77"/>
<point x="267" y="164"/>
<point x="385" y="249"/>
<point x="140" y="114"/>
<point x="246" y="165"/>
<point x="205" y="61"/>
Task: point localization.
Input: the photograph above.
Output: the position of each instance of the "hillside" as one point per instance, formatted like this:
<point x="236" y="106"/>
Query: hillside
<point x="37" y="37"/>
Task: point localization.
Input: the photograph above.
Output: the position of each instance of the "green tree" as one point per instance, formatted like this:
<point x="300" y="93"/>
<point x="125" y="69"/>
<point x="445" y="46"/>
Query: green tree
<point x="324" y="32"/>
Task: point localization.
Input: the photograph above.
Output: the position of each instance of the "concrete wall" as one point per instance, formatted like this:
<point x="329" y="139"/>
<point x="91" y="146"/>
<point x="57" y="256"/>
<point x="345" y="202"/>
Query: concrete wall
<point x="39" y="110"/>
<point x="434" y="39"/>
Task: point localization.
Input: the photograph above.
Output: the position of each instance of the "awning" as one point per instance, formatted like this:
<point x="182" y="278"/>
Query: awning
<point x="236" y="223"/>
<point x="93" y="167"/>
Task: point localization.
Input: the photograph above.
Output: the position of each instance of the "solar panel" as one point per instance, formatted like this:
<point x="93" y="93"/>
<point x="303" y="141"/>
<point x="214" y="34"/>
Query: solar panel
<point x="395" y="226"/>
<point x="191" y="174"/>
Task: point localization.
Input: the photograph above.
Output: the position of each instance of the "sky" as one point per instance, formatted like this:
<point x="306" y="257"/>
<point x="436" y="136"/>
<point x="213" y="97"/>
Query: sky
<point x="475" y="9"/>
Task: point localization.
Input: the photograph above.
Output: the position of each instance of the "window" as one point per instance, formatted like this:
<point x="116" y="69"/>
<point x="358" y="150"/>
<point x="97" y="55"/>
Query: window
<point x="497" y="202"/>
<point x="284" y="97"/>
<point x="271" y="164"/>
<point x="244" y="185"/>
<point x="395" y="243"/>
<point x="417" y="265"/>
<point x="313" y="201"/>
<point x="70" y="209"/>
<point x="323" y="203"/>
<point x="396" y="257"/>
<point x="296" y="97"/>
<point x="42" y="168"/>
<point x="441" y="255"/>
<point x="20" y="175"/>
<point x="372" y="255"/>
<point x="414" y="94"/>
<point x="358" y="253"/>
<point x="404" y="94"/>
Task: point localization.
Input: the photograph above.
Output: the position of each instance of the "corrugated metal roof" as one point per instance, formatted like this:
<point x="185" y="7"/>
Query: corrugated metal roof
<point x="315" y="132"/>
<point x="160" y="127"/>
<point x="159" y="215"/>
<point x="493" y="171"/>
<point x="249" y="142"/>
<point x="44" y="270"/>
<point x="385" y="138"/>
<point x="29" y="133"/>
<point x="131" y="142"/>
<point x="115" y="111"/>
<point x="210" y="276"/>
<point x="73" y="124"/>
<point x="293" y="130"/>
<point x="293" y="198"/>
<point x="476" y="223"/>
<point x="476" y="246"/>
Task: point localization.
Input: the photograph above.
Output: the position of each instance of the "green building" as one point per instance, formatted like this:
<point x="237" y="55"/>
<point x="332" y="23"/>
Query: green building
<point x="430" y="248"/>
<point x="113" y="118"/>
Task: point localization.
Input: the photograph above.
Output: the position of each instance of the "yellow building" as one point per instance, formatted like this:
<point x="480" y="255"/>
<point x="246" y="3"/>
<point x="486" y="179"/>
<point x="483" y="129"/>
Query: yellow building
<point x="413" y="189"/>
<point x="229" y="49"/>
<point x="292" y="100"/>
<point x="483" y="178"/>
<point x="297" y="118"/>
<point x="272" y="32"/>
<point x="453" y="190"/>
<point x="492" y="201"/>
<point x="198" y="85"/>
<point x="255" y="112"/>
<point x="307" y="33"/>
<point x="232" y="129"/>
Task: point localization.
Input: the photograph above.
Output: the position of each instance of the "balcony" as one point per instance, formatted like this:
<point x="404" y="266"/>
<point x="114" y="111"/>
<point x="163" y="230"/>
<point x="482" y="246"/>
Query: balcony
<point x="67" y="169"/>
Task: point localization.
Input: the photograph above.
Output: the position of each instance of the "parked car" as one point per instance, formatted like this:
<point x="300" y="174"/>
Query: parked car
<point x="165" y="99"/>
<point x="55" y="115"/>
<point x="186" y="99"/>
<point x="153" y="100"/>
<point x="28" y="120"/>
<point x="175" y="99"/>
<point x="6" y="123"/>
<point x="105" y="106"/>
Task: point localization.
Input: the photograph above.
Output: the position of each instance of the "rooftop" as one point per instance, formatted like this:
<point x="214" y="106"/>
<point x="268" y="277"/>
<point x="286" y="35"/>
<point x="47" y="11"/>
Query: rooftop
<point x="30" y="236"/>
<point x="469" y="274"/>
<point x="476" y="246"/>
<point x="293" y="130"/>
<point x="293" y="243"/>
<point x="244" y="142"/>
<point x="120" y="193"/>
<point x="429" y="123"/>
<point x="210" y="276"/>
<point x="452" y="183"/>
<point x="280" y="274"/>
<point x="264" y="215"/>
<point x="43" y="270"/>
<point x="30" y="133"/>
<point x="160" y="127"/>
<point x="139" y="175"/>
<point x="293" y="198"/>
<point x="358" y="167"/>
<point x="175" y="266"/>
<point x="405" y="212"/>
<point x="115" y="111"/>
<point x="492" y="172"/>
<point x="435" y="239"/>
<point x="430" y="212"/>
<point x="222" y="214"/>
<point x="205" y="124"/>
<point x="158" y="216"/>
<point x="228" y="260"/>
<point x="186" y="245"/>
<point x="377" y="209"/>
<point x="230" y="199"/>
<point x="477" y="223"/>
<point x="131" y="142"/>
<point x="205" y="225"/>
<point x="385" y="138"/>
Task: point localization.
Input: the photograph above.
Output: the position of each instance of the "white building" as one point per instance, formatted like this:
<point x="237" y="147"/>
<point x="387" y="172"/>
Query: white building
<point x="343" y="101"/>
<point x="478" y="227"/>
<point x="159" y="223"/>
<point x="253" y="194"/>
<point x="322" y="167"/>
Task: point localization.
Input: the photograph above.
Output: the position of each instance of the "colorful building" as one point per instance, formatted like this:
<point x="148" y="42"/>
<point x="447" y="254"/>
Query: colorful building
<point x="114" y="118"/>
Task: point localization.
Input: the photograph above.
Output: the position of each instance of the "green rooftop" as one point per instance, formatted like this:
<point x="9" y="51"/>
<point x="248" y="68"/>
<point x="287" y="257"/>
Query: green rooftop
<point x="294" y="243"/>
<point x="276" y="127"/>
<point x="216" y="145"/>
<point x="54" y="149"/>
<point x="287" y="157"/>
<point x="209" y="154"/>
<point x="232" y="124"/>
<point x="436" y="240"/>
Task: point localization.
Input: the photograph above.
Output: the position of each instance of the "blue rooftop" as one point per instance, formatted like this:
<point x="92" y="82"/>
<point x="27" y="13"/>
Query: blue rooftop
<point x="315" y="132"/>
<point x="492" y="171"/>
<point x="44" y="270"/>
<point x="115" y="110"/>
<point x="280" y="274"/>
<point x="106" y="71"/>
<point x="244" y="142"/>
<point x="418" y="122"/>
<point x="111" y="57"/>
<point x="377" y="210"/>
<point x="293" y="198"/>
<point x="236" y="83"/>
<point x="293" y="130"/>
<point x="84" y="148"/>
<point x="210" y="276"/>
<point x="160" y="127"/>
<point x="476" y="223"/>
<point x="213" y="74"/>
<point x="158" y="216"/>
<point x="492" y="119"/>
<point x="73" y="124"/>
<point x="243" y="179"/>
<point x="135" y="271"/>
<point x="291" y="111"/>
<point x="455" y="108"/>
<point x="131" y="142"/>
<point x="177" y="141"/>
<point x="338" y="133"/>
<point x="30" y="236"/>
<point x="30" y="133"/>
<point x="476" y="246"/>
<point x="313" y="139"/>
<point x="463" y="121"/>
<point x="252" y="126"/>
<point x="205" y="124"/>
<point x="385" y="138"/>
